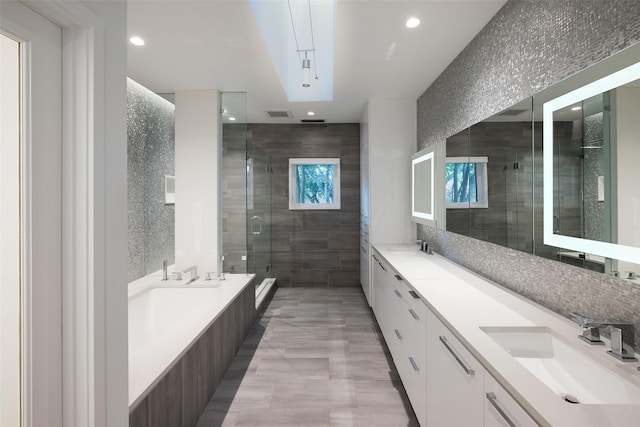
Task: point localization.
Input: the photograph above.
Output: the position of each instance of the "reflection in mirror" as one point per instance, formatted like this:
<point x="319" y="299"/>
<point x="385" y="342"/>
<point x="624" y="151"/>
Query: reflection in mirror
<point x="491" y="166"/>
<point x="457" y="215"/>
<point x="505" y="138"/>
<point x="594" y="196"/>
<point x="591" y="200"/>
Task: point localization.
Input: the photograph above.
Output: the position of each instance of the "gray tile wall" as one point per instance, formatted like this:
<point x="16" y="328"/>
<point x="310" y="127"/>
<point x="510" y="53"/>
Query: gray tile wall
<point x="151" y="156"/>
<point x="525" y="48"/>
<point x="313" y="248"/>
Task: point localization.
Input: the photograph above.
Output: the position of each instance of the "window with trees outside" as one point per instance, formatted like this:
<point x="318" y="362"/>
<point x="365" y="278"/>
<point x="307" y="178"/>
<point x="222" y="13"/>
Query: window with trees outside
<point x="466" y="182"/>
<point x="314" y="183"/>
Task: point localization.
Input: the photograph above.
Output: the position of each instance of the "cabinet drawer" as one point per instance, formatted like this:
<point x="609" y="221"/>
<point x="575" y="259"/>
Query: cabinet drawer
<point x="500" y="410"/>
<point x="409" y="351"/>
<point x="454" y="378"/>
<point x="412" y="299"/>
<point x="413" y="375"/>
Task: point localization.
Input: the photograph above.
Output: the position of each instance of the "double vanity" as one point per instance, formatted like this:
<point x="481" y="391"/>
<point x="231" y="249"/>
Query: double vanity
<point x="471" y="353"/>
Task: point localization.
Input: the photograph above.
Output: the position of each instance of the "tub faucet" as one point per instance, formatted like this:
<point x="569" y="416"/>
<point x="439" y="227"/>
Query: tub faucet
<point x="622" y="335"/>
<point x="194" y="273"/>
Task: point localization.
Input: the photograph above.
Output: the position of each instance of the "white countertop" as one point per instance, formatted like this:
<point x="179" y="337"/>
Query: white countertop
<point x="465" y="302"/>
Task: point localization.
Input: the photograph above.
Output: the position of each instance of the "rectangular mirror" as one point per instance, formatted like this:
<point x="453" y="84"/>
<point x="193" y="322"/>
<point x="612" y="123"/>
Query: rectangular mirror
<point x="572" y="194"/>
<point x="423" y="186"/>
<point x="588" y="132"/>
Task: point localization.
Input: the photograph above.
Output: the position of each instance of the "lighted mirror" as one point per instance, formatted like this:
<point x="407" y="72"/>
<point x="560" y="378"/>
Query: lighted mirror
<point x="422" y="186"/>
<point x="591" y="143"/>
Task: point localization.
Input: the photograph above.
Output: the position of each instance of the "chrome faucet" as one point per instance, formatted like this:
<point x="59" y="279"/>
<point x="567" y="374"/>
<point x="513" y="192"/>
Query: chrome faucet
<point x="194" y="273"/>
<point x="622" y="335"/>
<point x="424" y="246"/>
<point x="165" y="276"/>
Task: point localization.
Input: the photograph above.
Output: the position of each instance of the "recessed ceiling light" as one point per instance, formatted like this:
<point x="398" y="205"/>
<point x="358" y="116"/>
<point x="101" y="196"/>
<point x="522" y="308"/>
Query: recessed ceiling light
<point x="233" y="119"/>
<point x="576" y="108"/>
<point x="137" y="41"/>
<point x="412" y="22"/>
<point x="310" y="113"/>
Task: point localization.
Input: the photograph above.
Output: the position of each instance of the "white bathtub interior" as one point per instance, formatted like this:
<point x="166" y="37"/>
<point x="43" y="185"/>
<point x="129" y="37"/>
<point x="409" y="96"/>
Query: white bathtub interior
<point x="165" y="317"/>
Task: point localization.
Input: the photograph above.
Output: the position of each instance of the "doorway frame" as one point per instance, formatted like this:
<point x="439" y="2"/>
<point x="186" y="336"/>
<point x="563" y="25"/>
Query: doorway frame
<point x="94" y="230"/>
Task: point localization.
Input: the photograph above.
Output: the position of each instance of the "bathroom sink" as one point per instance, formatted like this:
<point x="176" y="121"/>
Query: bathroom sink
<point x="404" y="248"/>
<point x="565" y="369"/>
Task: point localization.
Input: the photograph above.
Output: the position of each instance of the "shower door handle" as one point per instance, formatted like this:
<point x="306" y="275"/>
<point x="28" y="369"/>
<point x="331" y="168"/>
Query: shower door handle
<point x="253" y="225"/>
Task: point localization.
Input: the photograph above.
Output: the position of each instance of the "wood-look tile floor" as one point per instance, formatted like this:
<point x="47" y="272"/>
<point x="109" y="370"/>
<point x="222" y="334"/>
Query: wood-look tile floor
<point x="315" y="358"/>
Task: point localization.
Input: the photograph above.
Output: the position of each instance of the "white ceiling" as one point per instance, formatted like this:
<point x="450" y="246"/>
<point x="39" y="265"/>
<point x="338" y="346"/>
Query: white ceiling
<point x="216" y="44"/>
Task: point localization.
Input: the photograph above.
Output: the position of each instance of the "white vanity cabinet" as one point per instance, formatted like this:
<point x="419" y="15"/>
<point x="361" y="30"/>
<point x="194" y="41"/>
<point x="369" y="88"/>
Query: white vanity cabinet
<point x="455" y="383"/>
<point x="403" y="324"/>
<point x="500" y="410"/>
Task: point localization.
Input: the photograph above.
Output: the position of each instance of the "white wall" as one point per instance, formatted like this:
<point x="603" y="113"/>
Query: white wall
<point x="628" y="156"/>
<point x="392" y="142"/>
<point x="197" y="165"/>
<point x="9" y="230"/>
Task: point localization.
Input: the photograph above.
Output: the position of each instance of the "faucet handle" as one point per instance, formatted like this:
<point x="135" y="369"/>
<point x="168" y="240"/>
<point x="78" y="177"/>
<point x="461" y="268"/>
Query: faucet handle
<point x="210" y="275"/>
<point x="177" y="274"/>
<point x="591" y="334"/>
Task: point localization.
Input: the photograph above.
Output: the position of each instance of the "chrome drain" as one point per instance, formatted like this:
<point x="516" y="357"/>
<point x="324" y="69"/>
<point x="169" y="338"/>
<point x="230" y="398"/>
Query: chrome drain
<point x="571" y="399"/>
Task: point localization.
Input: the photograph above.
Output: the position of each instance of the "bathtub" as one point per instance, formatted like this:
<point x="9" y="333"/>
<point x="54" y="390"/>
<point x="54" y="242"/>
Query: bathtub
<point x="165" y="318"/>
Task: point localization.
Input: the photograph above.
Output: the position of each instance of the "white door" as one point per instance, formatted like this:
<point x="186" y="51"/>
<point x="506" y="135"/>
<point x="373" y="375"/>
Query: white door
<point x="31" y="183"/>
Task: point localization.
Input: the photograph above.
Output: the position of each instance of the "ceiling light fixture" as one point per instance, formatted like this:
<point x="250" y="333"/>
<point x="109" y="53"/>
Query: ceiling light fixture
<point x="306" y="71"/>
<point x="413" y="22"/>
<point x="136" y="41"/>
<point x="306" y="62"/>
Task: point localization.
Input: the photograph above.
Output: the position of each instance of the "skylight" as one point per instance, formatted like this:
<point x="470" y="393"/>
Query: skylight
<point x="274" y="18"/>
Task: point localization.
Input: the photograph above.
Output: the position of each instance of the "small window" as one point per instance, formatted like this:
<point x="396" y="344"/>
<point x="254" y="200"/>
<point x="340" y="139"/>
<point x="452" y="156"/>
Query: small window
<point x="466" y="182"/>
<point x="314" y="183"/>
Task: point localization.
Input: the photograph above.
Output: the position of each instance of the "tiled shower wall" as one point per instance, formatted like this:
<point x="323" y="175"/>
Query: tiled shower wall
<point x="313" y="248"/>
<point x="527" y="47"/>
<point x="151" y="156"/>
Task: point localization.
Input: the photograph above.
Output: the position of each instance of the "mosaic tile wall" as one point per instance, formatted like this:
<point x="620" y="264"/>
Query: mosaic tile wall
<point x="151" y="156"/>
<point x="527" y="47"/>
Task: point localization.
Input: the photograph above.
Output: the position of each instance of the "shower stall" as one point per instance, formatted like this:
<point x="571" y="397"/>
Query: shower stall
<point x="246" y="196"/>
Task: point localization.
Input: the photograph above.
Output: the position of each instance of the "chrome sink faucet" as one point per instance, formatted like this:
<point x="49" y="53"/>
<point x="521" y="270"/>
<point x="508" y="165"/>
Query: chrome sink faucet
<point x="424" y="246"/>
<point x="194" y="273"/>
<point x="622" y="335"/>
<point x="165" y="276"/>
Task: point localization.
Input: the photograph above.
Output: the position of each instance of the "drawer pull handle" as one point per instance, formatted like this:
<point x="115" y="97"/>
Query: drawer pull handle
<point x="414" y="364"/>
<point x="491" y="397"/>
<point x="398" y="294"/>
<point x="398" y="334"/>
<point x="413" y="314"/>
<point x="414" y="294"/>
<point x="398" y="277"/>
<point x="468" y="370"/>
<point x="382" y="266"/>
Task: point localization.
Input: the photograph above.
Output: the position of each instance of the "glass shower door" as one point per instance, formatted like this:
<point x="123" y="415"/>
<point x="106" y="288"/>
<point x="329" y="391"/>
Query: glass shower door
<point x="258" y="213"/>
